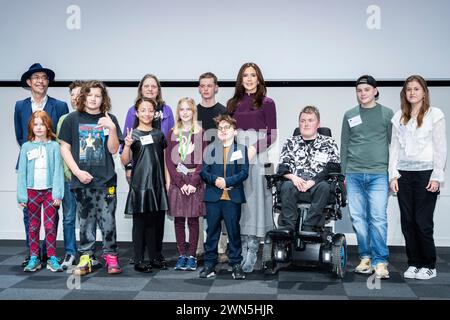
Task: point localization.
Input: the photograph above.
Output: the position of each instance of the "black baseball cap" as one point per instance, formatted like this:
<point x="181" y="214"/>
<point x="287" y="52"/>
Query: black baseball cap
<point x="367" y="79"/>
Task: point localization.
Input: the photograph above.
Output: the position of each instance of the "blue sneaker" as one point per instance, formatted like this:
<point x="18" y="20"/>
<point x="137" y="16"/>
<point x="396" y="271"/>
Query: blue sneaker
<point x="191" y="264"/>
<point x="33" y="264"/>
<point x="53" y="264"/>
<point x="181" y="263"/>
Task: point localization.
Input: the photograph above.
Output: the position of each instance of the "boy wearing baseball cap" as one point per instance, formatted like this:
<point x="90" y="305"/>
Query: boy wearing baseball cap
<point x="365" y="138"/>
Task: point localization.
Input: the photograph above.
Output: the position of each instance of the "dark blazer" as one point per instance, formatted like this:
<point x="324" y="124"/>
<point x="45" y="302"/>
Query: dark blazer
<point x="237" y="172"/>
<point x="22" y="114"/>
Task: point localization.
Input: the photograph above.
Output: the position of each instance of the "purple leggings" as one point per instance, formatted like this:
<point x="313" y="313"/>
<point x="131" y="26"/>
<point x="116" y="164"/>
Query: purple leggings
<point x="184" y="248"/>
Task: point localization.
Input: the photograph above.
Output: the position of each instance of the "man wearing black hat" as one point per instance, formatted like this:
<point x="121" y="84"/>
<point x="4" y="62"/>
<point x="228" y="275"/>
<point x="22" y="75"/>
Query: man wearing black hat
<point x="37" y="79"/>
<point x="365" y="138"/>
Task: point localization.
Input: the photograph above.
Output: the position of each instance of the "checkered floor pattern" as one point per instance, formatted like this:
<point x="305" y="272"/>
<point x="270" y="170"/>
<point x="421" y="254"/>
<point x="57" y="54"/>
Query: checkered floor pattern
<point x="299" y="283"/>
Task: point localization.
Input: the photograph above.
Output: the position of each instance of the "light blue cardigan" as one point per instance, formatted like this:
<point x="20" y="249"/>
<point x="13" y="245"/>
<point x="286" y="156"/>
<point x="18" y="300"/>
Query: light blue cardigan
<point x="55" y="170"/>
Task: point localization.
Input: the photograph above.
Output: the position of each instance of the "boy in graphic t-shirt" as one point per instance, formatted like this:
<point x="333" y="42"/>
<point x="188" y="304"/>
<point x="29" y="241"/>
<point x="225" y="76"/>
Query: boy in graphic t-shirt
<point x="94" y="179"/>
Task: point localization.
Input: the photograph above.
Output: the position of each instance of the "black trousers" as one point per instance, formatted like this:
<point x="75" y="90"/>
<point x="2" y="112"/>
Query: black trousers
<point x="319" y="195"/>
<point x="148" y="231"/>
<point x="416" y="214"/>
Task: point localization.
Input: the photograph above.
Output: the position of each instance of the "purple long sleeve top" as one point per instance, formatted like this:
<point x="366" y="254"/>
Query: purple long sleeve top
<point x="194" y="160"/>
<point x="265" y="118"/>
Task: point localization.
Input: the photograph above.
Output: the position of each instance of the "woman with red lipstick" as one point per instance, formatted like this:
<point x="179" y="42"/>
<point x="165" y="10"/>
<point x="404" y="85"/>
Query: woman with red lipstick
<point x="256" y="119"/>
<point x="416" y="170"/>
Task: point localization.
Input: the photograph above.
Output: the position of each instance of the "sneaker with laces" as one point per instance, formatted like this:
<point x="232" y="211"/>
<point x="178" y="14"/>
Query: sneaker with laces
<point x="191" y="264"/>
<point x="207" y="272"/>
<point x="112" y="264"/>
<point x="364" y="266"/>
<point x="33" y="265"/>
<point x="69" y="260"/>
<point x="381" y="271"/>
<point x="237" y="272"/>
<point x="426" y="274"/>
<point x="84" y="266"/>
<point x="181" y="263"/>
<point x="411" y="272"/>
<point x="53" y="264"/>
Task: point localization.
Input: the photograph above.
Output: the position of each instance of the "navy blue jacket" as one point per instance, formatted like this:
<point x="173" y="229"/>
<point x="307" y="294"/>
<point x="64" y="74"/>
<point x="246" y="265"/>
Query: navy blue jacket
<point x="237" y="171"/>
<point x="22" y="114"/>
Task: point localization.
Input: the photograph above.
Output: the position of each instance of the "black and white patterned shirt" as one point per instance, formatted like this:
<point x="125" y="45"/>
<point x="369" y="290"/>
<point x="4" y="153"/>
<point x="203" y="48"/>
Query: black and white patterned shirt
<point x="308" y="159"/>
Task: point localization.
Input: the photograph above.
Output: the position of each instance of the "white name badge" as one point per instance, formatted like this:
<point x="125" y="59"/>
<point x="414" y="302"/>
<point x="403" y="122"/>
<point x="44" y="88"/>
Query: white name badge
<point x="356" y="120"/>
<point x="148" y="139"/>
<point x="33" y="154"/>
<point x="182" y="168"/>
<point x="105" y="132"/>
<point x="321" y="157"/>
<point x="236" y="155"/>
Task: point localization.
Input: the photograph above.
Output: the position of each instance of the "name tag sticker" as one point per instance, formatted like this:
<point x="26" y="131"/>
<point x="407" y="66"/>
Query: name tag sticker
<point x="33" y="154"/>
<point x="236" y="155"/>
<point x="182" y="168"/>
<point x="321" y="157"/>
<point x="356" y="120"/>
<point x="148" y="139"/>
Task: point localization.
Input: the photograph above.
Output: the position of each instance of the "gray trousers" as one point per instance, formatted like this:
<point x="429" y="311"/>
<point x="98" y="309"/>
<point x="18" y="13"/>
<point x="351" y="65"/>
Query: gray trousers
<point x="96" y="206"/>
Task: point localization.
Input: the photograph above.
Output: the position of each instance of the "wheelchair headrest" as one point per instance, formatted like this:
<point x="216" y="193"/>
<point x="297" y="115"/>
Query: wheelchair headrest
<point x="322" y="130"/>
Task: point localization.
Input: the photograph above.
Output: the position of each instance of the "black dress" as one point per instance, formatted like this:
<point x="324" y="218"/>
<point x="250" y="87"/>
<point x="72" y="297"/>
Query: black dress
<point x="147" y="188"/>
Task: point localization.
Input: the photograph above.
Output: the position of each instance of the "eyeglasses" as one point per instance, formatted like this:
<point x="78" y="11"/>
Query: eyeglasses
<point x="36" y="78"/>
<point x="224" y="128"/>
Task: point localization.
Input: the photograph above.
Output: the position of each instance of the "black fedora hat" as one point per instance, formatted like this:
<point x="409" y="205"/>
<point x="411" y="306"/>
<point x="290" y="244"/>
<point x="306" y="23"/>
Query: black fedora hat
<point x="36" y="67"/>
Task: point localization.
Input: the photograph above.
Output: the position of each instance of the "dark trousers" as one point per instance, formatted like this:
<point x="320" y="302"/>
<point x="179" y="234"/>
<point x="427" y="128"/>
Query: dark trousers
<point x="145" y="234"/>
<point x="416" y="215"/>
<point x="186" y="248"/>
<point x="230" y="213"/>
<point x="290" y="196"/>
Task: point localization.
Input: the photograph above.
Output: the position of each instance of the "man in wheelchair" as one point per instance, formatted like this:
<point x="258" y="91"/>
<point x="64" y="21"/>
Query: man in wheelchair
<point x="310" y="188"/>
<point x="306" y="161"/>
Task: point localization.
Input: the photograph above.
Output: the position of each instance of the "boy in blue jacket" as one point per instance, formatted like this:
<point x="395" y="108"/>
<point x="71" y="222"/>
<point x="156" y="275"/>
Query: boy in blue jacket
<point x="225" y="167"/>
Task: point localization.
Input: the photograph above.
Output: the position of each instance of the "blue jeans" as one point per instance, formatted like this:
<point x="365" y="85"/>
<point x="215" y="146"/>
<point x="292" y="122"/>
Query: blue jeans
<point x="69" y="205"/>
<point x="367" y="199"/>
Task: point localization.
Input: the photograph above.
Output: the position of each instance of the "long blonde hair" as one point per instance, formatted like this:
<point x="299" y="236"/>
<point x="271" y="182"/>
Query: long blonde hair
<point x="179" y="123"/>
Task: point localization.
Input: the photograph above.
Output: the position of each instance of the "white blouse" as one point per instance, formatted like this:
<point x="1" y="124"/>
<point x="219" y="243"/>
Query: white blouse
<point x="419" y="149"/>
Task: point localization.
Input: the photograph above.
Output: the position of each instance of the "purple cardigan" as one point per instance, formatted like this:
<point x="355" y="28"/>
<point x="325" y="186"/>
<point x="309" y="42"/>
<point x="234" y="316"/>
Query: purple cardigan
<point x="166" y="124"/>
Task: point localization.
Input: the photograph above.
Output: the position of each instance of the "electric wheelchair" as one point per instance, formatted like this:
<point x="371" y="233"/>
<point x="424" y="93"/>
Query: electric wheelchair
<point x="283" y="248"/>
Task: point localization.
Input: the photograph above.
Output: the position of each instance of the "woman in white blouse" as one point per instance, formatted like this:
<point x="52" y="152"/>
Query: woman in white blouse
<point x="418" y="154"/>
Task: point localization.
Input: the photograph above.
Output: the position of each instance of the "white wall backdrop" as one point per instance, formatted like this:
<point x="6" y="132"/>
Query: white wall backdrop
<point x="332" y="102"/>
<point x="179" y="39"/>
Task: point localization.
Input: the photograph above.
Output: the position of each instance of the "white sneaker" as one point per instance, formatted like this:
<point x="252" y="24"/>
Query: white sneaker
<point x="381" y="271"/>
<point x="411" y="272"/>
<point x="426" y="274"/>
<point x="69" y="261"/>
<point x="364" y="266"/>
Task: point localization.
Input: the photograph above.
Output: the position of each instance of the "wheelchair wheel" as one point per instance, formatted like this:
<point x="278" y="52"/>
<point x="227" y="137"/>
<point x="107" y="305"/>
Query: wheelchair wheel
<point x="339" y="255"/>
<point x="268" y="262"/>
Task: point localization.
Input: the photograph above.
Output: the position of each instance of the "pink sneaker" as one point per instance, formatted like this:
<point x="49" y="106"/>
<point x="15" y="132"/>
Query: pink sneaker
<point x="112" y="264"/>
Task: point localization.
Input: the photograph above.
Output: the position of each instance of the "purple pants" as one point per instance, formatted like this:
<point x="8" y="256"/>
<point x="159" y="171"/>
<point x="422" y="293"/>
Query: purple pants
<point x="190" y="248"/>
